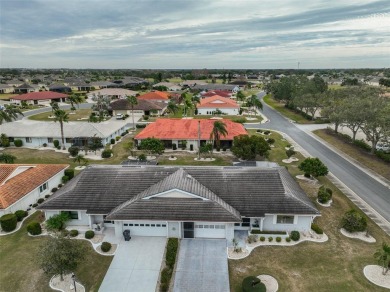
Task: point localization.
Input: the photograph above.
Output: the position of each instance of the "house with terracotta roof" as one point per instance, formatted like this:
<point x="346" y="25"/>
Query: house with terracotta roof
<point x="216" y="103"/>
<point x="181" y="132"/>
<point x="22" y="185"/>
<point x="222" y="93"/>
<point x="155" y="95"/>
<point x="41" y="97"/>
<point x="184" y="202"/>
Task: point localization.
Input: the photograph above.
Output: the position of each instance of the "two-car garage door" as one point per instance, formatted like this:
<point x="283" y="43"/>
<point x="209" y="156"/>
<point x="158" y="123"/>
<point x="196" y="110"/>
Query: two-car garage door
<point x="146" y="228"/>
<point x="209" y="230"/>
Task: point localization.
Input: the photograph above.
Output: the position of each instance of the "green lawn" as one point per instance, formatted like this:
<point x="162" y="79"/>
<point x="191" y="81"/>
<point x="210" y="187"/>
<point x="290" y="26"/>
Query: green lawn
<point x="20" y="271"/>
<point x="79" y="113"/>
<point x="7" y="96"/>
<point x="334" y="86"/>
<point x="285" y="111"/>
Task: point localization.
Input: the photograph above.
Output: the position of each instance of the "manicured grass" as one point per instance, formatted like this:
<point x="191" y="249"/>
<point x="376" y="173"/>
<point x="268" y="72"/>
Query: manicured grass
<point x="334" y="86"/>
<point x="21" y="272"/>
<point x="30" y="107"/>
<point x="336" y="265"/>
<point x="7" y="96"/>
<point x="285" y="111"/>
<point x="79" y="113"/>
<point x="371" y="161"/>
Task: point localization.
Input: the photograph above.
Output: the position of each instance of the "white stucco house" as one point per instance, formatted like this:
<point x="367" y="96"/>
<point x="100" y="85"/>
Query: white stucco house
<point x="36" y="133"/>
<point x="184" y="202"/>
<point x="22" y="185"/>
<point x="216" y="103"/>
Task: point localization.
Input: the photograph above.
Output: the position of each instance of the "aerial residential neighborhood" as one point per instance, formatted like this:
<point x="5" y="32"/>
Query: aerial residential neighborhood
<point x="185" y="146"/>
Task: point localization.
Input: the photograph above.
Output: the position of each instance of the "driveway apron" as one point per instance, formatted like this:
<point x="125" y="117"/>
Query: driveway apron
<point x="202" y="266"/>
<point x="136" y="265"/>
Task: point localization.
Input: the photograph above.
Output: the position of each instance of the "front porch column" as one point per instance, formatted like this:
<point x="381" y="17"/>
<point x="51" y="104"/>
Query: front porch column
<point x="261" y="223"/>
<point x="90" y="221"/>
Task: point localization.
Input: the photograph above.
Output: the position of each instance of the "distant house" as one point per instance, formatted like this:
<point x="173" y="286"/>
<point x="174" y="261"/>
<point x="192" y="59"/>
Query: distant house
<point x="113" y="93"/>
<point x="212" y="86"/>
<point x="5" y="88"/>
<point x="81" y="86"/>
<point x="155" y="95"/>
<point x="103" y="84"/>
<point x="222" y="93"/>
<point x="215" y="103"/>
<point x="39" y="97"/>
<point x="144" y="107"/>
<point x="22" y="185"/>
<point x="36" y="133"/>
<point x="184" y="202"/>
<point x="170" y="86"/>
<point x="185" y="132"/>
<point x="130" y="82"/>
<point x="192" y="83"/>
<point x="26" y="88"/>
<point x="61" y="88"/>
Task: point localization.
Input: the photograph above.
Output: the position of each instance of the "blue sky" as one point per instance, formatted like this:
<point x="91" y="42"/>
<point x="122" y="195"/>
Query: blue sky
<point x="194" y="34"/>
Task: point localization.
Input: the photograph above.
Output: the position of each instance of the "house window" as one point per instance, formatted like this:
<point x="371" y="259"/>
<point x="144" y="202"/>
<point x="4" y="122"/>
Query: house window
<point x="147" y="225"/>
<point x="153" y="225"/>
<point x="136" y="224"/>
<point x="158" y="225"/>
<point x="282" y="219"/>
<point x="49" y="140"/>
<point x="72" y="214"/>
<point x="246" y="222"/>
<point x="126" y="224"/>
<point x="68" y="140"/>
<point x="11" y="139"/>
<point x="43" y="187"/>
<point x="28" y="140"/>
<point x="107" y="221"/>
<point x="142" y="225"/>
<point x="131" y="224"/>
<point x="164" y="225"/>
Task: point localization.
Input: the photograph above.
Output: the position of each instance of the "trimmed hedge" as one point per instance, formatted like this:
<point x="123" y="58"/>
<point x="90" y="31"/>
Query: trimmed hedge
<point x="34" y="228"/>
<point x="140" y="126"/>
<point x="252" y="284"/>
<point x="53" y="190"/>
<point x="20" y="214"/>
<point x="262" y="238"/>
<point x="256" y="231"/>
<point x="317" y="229"/>
<point x="40" y="201"/>
<point x="69" y="173"/>
<point x="288" y="239"/>
<point x="56" y="143"/>
<point x="89" y="234"/>
<point x="73" y="151"/>
<point x="354" y="221"/>
<point x="295" y="235"/>
<point x="170" y="259"/>
<point x="8" y="222"/>
<point x="112" y="141"/>
<point x="73" y="233"/>
<point x="166" y="275"/>
<point x="324" y="195"/>
<point x="65" y="179"/>
<point x="278" y="239"/>
<point x="18" y="143"/>
<point x="106" y="153"/>
<point x="106" y="246"/>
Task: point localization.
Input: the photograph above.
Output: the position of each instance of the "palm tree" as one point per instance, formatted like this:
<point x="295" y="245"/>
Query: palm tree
<point x="101" y="105"/>
<point x="74" y="99"/>
<point x="80" y="159"/>
<point x="383" y="257"/>
<point x="187" y="105"/>
<point x="255" y="103"/>
<point x="8" y="113"/>
<point x="219" y="129"/>
<point x="172" y="107"/>
<point x="61" y="116"/>
<point x="133" y="101"/>
<point x="54" y="106"/>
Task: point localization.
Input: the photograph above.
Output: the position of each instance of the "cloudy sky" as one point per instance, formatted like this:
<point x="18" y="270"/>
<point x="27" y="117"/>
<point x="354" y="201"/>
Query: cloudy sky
<point x="194" y="34"/>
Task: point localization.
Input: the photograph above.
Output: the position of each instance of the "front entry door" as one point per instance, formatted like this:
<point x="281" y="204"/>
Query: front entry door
<point x="188" y="229"/>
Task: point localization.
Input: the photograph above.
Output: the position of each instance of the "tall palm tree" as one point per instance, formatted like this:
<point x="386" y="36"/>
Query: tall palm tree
<point x="54" y="106"/>
<point x="254" y="103"/>
<point x="383" y="257"/>
<point x="187" y="105"/>
<point x="219" y="129"/>
<point x="172" y="107"/>
<point x="61" y="116"/>
<point x="80" y="159"/>
<point x="8" y="113"/>
<point x="132" y="101"/>
<point x="101" y="105"/>
<point x="74" y="99"/>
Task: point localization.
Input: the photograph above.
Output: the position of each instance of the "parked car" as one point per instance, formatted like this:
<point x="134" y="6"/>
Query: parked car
<point x="383" y="146"/>
<point x="119" y="116"/>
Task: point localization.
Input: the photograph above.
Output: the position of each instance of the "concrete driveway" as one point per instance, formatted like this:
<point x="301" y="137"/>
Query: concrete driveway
<point x="202" y="266"/>
<point x="136" y="265"/>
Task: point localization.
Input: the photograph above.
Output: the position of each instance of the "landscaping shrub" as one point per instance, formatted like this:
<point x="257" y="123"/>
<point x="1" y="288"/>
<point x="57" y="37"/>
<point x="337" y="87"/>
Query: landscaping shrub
<point x="324" y="195"/>
<point x="8" y="222"/>
<point x="20" y="214"/>
<point x="174" y="147"/>
<point x="140" y="126"/>
<point x="170" y="256"/>
<point x="34" y="228"/>
<point x="44" y="144"/>
<point x="354" y="221"/>
<point x="317" y="229"/>
<point x="56" y="143"/>
<point x="47" y="196"/>
<point x="267" y="132"/>
<point x="262" y="238"/>
<point x="166" y="275"/>
<point x="58" y="147"/>
<point x="290" y="152"/>
<point x="259" y="131"/>
<point x="382" y="155"/>
<point x="270" y="238"/>
<point x="18" y="143"/>
<point x="73" y="233"/>
<point x="73" y="151"/>
<point x="124" y="133"/>
<point x="106" y="153"/>
<point x="362" y="144"/>
<point x="288" y="239"/>
<point x="65" y="179"/>
<point x="252" y="238"/>
<point x="57" y="222"/>
<point x="65" y="232"/>
<point x="59" y="185"/>
<point x="40" y="200"/>
<point x="278" y="239"/>
<point x="252" y="284"/>
<point x="224" y="148"/>
<point x="106" y="246"/>
<point x="89" y="234"/>
<point x="117" y="138"/>
<point x="69" y="173"/>
<point x="53" y="190"/>
<point x="257" y="231"/>
<point x="145" y="117"/>
<point x="142" y="157"/>
<point x="271" y="141"/>
<point x="112" y="141"/>
<point x="295" y="235"/>
<point x="34" y="205"/>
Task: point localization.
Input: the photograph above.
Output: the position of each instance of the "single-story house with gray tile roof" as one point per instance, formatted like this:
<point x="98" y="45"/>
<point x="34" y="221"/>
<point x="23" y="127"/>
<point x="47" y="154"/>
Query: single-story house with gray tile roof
<point x="184" y="202"/>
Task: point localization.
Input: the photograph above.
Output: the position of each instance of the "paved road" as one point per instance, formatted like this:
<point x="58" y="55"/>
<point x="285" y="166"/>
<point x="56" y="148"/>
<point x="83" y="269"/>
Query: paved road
<point x="367" y="188"/>
<point x="48" y="109"/>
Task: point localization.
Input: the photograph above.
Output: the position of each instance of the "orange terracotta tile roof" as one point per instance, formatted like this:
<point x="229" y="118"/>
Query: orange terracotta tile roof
<point x="187" y="129"/>
<point x="217" y="101"/>
<point x="40" y="95"/>
<point x="17" y="187"/>
<point x="155" y="95"/>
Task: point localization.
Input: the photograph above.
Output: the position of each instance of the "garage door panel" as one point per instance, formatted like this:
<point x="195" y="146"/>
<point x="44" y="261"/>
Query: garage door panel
<point x="210" y="230"/>
<point x="146" y="228"/>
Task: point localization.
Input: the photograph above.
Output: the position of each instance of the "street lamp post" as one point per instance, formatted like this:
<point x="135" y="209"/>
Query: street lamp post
<point x="74" y="282"/>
